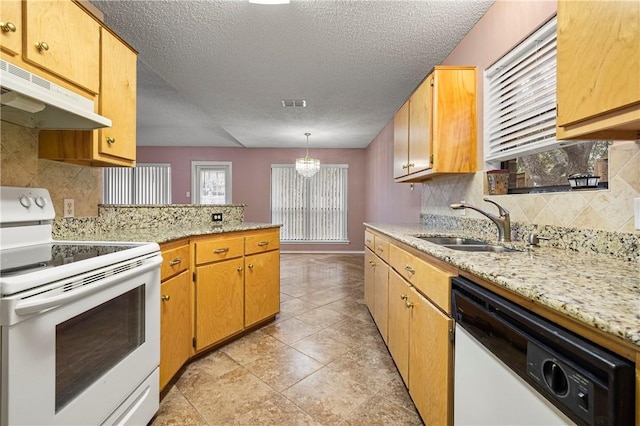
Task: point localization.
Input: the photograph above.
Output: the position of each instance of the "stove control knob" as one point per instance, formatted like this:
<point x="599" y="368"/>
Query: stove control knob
<point x="26" y="201"/>
<point x="41" y="201"/>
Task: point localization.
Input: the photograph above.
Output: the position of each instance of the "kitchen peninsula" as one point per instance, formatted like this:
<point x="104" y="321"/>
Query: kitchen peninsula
<point x="219" y="279"/>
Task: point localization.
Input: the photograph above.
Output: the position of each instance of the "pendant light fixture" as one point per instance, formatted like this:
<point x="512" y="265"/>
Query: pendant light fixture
<point x="306" y="166"/>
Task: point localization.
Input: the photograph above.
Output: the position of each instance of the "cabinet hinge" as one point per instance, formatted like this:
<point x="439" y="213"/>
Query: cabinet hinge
<point x="194" y="276"/>
<point x="452" y="335"/>
<point x="431" y="82"/>
<point x="193" y="342"/>
<point x="431" y="159"/>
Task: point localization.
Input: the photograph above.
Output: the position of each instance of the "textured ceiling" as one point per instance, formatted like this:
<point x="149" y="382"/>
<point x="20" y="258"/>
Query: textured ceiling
<point x="214" y="73"/>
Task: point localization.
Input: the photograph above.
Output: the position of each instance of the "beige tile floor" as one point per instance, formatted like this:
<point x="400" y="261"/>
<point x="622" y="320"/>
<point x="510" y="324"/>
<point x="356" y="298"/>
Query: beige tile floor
<point x="322" y="362"/>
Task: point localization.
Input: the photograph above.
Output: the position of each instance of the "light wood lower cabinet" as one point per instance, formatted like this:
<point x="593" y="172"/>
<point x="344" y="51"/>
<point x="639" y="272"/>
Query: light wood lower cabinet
<point x="219" y="301"/>
<point x="261" y="287"/>
<point x="214" y="288"/>
<point x="399" y="324"/>
<point x="430" y="360"/>
<point x="369" y="279"/>
<point x="175" y="326"/>
<point x="376" y="283"/>
<point x="175" y="309"/>
<point x="417" y="325"/>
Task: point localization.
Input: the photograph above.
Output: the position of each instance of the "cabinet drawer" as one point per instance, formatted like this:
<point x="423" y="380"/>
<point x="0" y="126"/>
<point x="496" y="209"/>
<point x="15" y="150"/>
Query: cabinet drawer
<point x="174" y="261"/>
<point x="381" y="245"/>
<point x="369" y="240"/>
<point x="219" y="249"/>
<point x="264" y="241"/>
<point x="428" y="279"/>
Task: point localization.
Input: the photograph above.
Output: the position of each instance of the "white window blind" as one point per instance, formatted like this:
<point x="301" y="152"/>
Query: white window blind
<point x="143" y="184"/>
<point x="520" y="100"/>
<point x="310" y="210"/>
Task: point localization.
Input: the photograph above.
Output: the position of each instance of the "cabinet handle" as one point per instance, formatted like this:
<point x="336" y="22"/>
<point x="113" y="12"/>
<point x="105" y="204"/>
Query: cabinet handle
<point x="403" y="297"/>
<point x="409" y="269"/>
<point x="9" y="26"/>
<point x="175" y="261"/>
<point x="380" y="248"/>
<point x="41" y="45"/>
<point x="263" y="243"/>
<point x="409" y="305"/>
<point x="239" y="268"/>
<point x="405" y="166"/>
<point x="368" y="241"/>
<point x="165" y="297"/>
<point x="410" y="165"/>
<point x="111" y="140"/>
<point x="221" y="250"/>
<point x="250" y="266"/>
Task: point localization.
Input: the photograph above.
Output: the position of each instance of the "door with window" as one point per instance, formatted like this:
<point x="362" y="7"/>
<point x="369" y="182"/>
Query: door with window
<point x="211" y="182"/>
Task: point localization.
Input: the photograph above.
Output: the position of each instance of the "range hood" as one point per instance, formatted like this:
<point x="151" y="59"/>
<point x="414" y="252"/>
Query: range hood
<point x="31" y="101"/>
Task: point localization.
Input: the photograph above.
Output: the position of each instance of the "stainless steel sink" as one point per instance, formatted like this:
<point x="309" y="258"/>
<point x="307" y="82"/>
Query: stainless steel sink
<point x="467" y="244"/>
<point x="452" y="241"/>
<point x="483" y="247"/>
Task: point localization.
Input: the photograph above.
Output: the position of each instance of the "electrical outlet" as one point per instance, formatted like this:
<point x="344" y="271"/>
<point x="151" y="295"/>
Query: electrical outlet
<point x="69" y="207"/>
<point x="216" y="217"/>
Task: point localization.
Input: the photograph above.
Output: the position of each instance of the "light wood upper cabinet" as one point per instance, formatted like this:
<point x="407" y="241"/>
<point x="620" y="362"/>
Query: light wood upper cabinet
<point x="117" y="98"/>
<point x="113" y="146"/>
<point x="598" y="70"/>
<point x="11" y="26"/>
<point x="401" y="141"/>
<point x="63" y="39"/>
<point x="442" y="126"/>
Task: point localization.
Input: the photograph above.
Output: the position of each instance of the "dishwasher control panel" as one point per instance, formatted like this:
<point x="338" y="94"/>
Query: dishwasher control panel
<point x="561" y="381"/>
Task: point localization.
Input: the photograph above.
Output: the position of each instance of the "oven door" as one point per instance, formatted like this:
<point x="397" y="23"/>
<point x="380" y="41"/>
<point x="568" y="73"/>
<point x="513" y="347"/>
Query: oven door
<point x="76" y="354"/>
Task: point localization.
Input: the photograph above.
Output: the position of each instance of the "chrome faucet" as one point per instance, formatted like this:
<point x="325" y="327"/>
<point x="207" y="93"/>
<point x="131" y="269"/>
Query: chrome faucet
<point x="503" y="222"/>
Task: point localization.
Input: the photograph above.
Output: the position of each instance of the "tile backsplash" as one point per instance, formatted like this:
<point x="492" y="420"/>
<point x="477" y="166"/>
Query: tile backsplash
<point x="606" y="210"/>
<point x="22" y="167"/>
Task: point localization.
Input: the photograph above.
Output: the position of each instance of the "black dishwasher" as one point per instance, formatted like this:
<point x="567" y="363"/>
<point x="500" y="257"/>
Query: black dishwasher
<point x="588" y="383"/>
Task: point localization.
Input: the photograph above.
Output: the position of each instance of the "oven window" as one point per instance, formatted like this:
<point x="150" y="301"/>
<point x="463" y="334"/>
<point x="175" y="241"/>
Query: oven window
<point x="90" y="344"/>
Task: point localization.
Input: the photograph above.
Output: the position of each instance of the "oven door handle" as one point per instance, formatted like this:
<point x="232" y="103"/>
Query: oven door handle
<point x="31" y="307"/>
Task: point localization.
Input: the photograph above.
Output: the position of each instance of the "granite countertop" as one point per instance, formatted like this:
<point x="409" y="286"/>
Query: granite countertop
<point x="597" y="290"/>
<point x="163" y="233"/>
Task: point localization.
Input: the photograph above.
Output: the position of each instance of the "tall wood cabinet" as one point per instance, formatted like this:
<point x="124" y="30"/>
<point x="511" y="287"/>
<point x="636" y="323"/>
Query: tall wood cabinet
<point x="598" y="83"/>
<point x="175" y="312"/>
<point x="435" y="131"/>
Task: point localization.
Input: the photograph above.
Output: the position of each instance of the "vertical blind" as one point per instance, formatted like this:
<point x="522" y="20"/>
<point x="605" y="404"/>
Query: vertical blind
<point x="520" y="100"/>
<point x="310" y="210"/>
<point x="143" y="184"/>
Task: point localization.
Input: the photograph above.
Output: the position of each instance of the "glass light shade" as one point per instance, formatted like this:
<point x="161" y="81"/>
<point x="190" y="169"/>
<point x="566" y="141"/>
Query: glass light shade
<point x="307" y="167"/>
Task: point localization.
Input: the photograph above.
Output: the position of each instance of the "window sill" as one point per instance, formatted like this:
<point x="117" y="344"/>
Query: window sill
<point x="557" y="188"/>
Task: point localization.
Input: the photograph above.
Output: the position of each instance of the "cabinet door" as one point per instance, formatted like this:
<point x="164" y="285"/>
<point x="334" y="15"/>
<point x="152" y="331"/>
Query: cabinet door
<point x="401" y="141"/>
<point x="261" y="287"/>
<point x="420" y="112"/>
<point x="369" y="279"/>
<point x="398" y="340"/>
<point x="598" y="60"/>
<point x="430" y="361"/>
<point x="118" y="98"/>
<point x="72" y="39"/>
<point x="219" y="301"/>
<point x="11" y="21"/>
<point x="381" y="303"/>
<point x="175" y="326"/>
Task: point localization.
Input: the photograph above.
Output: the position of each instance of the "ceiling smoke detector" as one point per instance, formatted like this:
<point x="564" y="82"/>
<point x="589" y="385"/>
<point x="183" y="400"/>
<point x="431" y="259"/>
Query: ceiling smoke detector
<point x="294" y="103"/>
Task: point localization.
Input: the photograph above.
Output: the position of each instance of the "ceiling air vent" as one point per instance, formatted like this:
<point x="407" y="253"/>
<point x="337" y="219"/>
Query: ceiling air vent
<point x="294" y="103"/>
